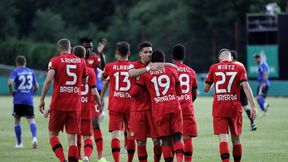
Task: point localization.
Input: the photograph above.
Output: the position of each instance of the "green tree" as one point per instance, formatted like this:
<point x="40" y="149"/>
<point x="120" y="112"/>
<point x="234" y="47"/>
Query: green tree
<point x="47" y="26"/>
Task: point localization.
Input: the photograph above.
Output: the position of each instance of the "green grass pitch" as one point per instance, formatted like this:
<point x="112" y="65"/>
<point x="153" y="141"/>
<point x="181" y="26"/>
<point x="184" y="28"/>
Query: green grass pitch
<point x="268" y="144"/>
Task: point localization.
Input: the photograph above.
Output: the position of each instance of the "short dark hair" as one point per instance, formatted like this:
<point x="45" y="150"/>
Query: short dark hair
<point x="257" y="56"/>
<point x="86" y="40"/>
<point x="234" y="54"/>
<point x="79" y="51"/>
<point x="144" y="44"/>
<point x="178" y="52"/>
<point x="20" y="60"/>
<point x="123" y="48"/>
<point x="158" y="56"/>
<point x="223" y="50"/>
<point x="63" y="44"/>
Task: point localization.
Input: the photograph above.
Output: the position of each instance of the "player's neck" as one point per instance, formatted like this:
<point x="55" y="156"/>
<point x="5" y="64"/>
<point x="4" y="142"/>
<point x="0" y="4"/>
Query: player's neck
<point x="144" y="62"/>
<point x="123" y="59"/>
<point x="178" y="62"/>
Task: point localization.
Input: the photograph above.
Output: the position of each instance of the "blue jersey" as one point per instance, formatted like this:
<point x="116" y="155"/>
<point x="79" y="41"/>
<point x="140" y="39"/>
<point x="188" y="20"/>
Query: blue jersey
<point x="263" y="67"/>
<point x="24" y="81"/>
<point x="99" y="80"/>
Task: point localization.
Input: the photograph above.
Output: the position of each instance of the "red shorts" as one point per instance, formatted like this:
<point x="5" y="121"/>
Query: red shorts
<point x="95" y="111"/>
<point x="141" y="125"/>
<point x="69" y="119"/>
<point x="86" y="127"/>
<point x="222" y="124"/>
<point x="118" y="120"/>
<point x="190" y="126"/>
<point x="168" y="124"/>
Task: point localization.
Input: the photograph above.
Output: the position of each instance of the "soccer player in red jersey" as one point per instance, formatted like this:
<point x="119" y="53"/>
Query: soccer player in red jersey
<point x="162" y="86"/>
<point x="90" y="99"/>
<point x="227" y="78"/>
<point x="95" y="62"/>
<point x="67" y="71"/>
<point x="188" y="82"/>
<point x="120" y="101"/>
<point x="141" y="124"/>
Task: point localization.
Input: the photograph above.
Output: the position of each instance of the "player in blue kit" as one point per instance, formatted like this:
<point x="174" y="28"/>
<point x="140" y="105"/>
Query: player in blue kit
<point x="263" y="82"/>
<point x="25" y="86"/>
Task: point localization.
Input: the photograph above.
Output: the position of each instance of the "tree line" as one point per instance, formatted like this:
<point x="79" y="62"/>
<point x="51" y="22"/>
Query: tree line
<point x="32" y="27"/>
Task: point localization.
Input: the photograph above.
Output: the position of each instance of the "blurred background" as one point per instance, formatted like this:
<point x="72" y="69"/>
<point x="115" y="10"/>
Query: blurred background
<point x="32" y="28"/>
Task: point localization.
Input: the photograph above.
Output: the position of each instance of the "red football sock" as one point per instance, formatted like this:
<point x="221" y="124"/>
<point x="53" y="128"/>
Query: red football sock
<point x="115" y="145"/>
<point x="157" y="153"/>
<point x="57" y="148"/>
<point x="99" y="142"/>
<point x="79" y="143"/>
<point x="188" y="149"/>
<point x="179" y="150"/>
<point x="130" y="149"/>
<point x="142" y="153"/>
<point x="167" y="153"/>
<point x="72" y="153"/>
<point x="237" y="152"/>
<point x="224" y="152"/>
<point x="88" y="147"/>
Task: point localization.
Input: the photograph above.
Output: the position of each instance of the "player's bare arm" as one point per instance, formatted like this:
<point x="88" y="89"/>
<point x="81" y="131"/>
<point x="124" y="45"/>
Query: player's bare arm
<point x="207" y="87"/>
<point x="101" y="46"/>
<point x="149" y="67"/>
<point x="97" y="98"/>
<point x="249" y="94"/>
<point x="10" y="86"/>
<point x="46" y="86"/>
<point x="36" y="87"/>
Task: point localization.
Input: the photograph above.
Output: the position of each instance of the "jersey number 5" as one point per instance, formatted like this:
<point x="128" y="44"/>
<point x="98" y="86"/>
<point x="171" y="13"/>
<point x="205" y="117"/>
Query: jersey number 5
<point x="71" y="74"/>
<point x="223" y="80"/>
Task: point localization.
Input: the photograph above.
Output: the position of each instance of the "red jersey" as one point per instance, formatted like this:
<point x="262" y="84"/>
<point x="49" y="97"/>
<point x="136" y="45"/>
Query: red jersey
<point x="87" y="99"/>
<point x="92" y="61"/>
<point x="188" y="81"/>
<point x="162" y="86"/>
<point x="120" y="84"/>
<point x="142" y="101"/>
<point x="69" y="71"/>
<point x="226" y="77"/>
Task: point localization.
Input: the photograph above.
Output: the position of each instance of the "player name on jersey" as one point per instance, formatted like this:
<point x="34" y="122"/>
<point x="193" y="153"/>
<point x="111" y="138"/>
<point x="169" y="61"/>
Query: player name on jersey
<point x="226" y="67"/>
<point x="122" y="67"/>
<point x="161" y="71"/>
<point x="183" y="69"/>
<point x="226" y="97"/>
<point x="70" y="60"/>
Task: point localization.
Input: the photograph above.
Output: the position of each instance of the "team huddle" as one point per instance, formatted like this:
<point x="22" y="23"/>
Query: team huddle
<point x="148" y="98"/>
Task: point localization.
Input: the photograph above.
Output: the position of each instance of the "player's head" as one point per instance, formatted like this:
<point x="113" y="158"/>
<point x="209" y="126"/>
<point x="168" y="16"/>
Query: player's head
<point x="64" y="46"/>
<point x="20" y="61"/>
<point x="178" y="52"/>
<point x="145" y="51"/>
<point x="122" y="49"/>
<point x="158" y="56"/>
<point x="234" y="55"/>
<point x="224" y="55"/>
<point x="257" y="58"/>
<point x="87" y="43"/>
<point x="79" y="51"/>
